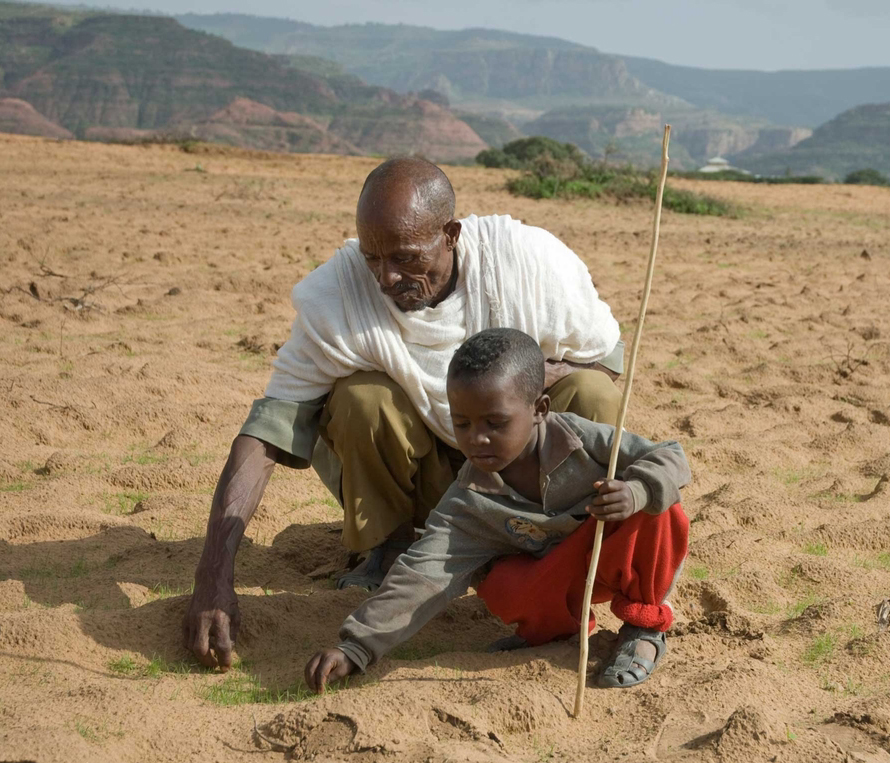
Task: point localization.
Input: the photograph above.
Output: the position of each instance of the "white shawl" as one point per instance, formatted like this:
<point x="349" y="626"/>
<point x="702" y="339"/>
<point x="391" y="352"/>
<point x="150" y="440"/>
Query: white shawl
<point x="509" y="275"/>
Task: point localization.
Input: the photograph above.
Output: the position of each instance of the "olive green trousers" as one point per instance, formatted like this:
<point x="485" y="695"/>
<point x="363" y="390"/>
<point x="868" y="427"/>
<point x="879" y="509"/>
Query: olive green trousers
<point x="394" y="469"/>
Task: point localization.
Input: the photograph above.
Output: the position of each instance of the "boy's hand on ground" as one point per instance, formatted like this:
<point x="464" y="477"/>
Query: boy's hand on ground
<point x="614" y="503"/>
<point x="327" y="666"/>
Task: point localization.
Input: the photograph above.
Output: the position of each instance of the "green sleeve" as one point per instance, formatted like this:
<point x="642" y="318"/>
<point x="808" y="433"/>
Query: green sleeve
<point x="290" y="427"/>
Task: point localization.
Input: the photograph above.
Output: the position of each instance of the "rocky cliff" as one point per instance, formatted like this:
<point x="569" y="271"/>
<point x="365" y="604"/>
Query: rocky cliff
<point x="108" y="76"/>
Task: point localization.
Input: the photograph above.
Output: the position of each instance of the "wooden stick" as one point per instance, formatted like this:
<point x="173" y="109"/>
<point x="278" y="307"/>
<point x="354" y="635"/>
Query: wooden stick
<point x="619" y="425"/>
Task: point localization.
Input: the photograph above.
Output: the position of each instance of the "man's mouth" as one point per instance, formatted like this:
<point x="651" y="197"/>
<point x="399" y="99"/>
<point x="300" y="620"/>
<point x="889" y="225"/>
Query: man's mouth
<point x="402" y="291"/>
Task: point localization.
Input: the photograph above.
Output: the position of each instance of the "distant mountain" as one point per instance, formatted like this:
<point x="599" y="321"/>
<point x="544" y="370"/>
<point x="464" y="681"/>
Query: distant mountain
<point x="857" y="139"/>
<point x="91" y="73"/>
<point x="570" y="92"/>
<point x="486" y="67"/>
<point x="21" y="117"/>
<point x="805" y="98"/>
<point x="506" y="71"/>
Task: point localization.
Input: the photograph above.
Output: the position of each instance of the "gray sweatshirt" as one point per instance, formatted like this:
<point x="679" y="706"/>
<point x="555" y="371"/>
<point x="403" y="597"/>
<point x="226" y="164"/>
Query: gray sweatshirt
<point x="480" y="518"/>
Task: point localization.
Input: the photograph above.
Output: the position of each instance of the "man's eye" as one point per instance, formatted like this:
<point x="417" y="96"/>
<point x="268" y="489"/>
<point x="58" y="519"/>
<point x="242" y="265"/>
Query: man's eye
<point x="497" y="424"/>
<point x="461" y="426"/>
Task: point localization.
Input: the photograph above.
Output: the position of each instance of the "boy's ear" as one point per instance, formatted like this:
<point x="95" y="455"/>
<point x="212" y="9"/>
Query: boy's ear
<point x="542" y="408"/>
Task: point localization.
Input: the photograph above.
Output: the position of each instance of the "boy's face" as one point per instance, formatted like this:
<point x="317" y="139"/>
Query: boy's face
<point x="493" y="425"/>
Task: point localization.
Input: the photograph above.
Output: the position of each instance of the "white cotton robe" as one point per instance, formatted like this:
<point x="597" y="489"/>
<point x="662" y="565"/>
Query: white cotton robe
<point x="509" y="275"/>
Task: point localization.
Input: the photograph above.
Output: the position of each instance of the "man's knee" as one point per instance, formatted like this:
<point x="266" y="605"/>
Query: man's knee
<point x="587" y="393"/>
<point x="366" y="401"/>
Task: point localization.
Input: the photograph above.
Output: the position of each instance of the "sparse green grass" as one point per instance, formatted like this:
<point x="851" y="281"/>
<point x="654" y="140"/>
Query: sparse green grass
<point x="122" y="503"/>
<point x="155" y="668"/>
<point x="145" y="457"/>
<point x="699" y="573"/>
<point x="796" y="609"/>
<point x="816" y="549"/>
<point x="790" y="477"/>
<point x="245" y="689"/>
<point x="879" y="562"/>
<point x="769" y="607"/>
<point x="15" y="487"/>
<point x="95" y="733"/>
<point x="409" y="651"/>
<point x="821" y="649"/>
<point x="124" y="666"/>
<point x="47" y="572"/>
<point x="166" y="591"/>
<point x="87" y="732"/>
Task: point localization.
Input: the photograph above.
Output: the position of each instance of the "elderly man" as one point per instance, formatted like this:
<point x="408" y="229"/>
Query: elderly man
<point x="365" y="369"/>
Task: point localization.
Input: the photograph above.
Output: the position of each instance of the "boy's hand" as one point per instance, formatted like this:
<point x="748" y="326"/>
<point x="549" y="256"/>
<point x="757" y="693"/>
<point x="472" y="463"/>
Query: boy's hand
<point x="327" y="666"/>
<point x="614" y="503"/>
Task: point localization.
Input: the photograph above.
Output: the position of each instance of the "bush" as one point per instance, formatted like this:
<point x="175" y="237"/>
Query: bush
<point x="520" y="154"/>
<point x="866" y="177"/>
<point x="566" y="172"/>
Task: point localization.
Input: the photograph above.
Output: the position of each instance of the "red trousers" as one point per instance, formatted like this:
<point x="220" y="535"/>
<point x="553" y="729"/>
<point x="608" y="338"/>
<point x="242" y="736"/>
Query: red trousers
<point x="638" y="564"/>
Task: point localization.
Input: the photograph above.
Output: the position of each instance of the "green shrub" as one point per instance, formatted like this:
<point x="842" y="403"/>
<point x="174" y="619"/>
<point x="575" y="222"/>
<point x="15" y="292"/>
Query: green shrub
<point x="866" y="177"/>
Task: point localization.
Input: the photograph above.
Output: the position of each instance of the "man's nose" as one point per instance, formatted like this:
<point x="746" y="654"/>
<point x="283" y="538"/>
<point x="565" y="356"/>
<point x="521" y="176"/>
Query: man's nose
<point x="389" y="275"/>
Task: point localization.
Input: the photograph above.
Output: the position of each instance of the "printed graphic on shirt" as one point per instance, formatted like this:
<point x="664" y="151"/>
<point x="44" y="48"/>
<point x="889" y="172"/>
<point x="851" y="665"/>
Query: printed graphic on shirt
<point x="527" y="535"/>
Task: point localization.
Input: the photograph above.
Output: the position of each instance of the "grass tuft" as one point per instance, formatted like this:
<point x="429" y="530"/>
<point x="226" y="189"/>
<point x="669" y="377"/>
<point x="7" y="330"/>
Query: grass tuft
<point x="245" y="689"/>
<point x="816" y="549"/>
<point x="821" y="650"/>
<point x="699" y="573"/>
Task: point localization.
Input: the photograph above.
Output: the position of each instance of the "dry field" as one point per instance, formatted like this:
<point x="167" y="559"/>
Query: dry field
<point x="142" y="293"/>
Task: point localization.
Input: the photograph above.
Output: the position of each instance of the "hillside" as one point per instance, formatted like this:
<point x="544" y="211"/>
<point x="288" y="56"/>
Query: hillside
<point x="487" y="65"/>
<point x="857" y="139"/>
<point x="806" y="98"/>
<point x="480" y="67"/>
<point x="119" y="72"/>
<point x="541" y="85"/>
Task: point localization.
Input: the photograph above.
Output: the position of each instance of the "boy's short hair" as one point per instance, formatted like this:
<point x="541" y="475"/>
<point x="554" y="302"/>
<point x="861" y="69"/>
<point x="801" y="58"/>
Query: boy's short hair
<point x="505" y="352"/>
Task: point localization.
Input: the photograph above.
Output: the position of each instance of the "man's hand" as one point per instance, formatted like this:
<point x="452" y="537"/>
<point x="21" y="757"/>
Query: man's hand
<point x="614" y="503"/>
<point x="327" y="666"/>
<point x="211" y="623"/>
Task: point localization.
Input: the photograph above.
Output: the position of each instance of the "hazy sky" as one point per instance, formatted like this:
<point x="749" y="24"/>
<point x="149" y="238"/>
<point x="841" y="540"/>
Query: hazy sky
<point x="727" y="34"/>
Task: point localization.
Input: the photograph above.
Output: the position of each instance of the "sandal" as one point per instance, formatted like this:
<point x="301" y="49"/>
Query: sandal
<point x="626" y="668"/>
<point x="370" y="573"/>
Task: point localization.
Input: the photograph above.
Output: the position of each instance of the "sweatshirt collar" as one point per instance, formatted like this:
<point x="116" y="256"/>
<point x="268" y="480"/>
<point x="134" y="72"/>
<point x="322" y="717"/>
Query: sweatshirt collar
<point x="556" y="442"/>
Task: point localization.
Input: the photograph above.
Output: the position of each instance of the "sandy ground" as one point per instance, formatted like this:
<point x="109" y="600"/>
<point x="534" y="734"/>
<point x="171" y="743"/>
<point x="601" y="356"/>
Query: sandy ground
<point x="143" y="291"/>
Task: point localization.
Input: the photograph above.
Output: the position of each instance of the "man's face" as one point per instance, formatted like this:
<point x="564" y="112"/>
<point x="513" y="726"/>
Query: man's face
<point x="410" y="256"/>
<point x="493" y="425"/>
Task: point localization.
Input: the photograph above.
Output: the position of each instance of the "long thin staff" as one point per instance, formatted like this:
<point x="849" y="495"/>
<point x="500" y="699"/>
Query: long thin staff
<point x="616" y="440"/>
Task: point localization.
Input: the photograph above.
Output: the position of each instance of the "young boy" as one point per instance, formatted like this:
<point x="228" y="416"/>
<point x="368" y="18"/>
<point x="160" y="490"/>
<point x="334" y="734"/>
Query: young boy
<point x="528" y="485"/>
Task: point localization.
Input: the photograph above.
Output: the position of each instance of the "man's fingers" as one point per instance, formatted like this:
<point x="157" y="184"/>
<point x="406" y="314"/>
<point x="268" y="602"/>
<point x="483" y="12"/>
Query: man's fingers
<point x="223" y="642"/>
<point x="309" y="673"/>
<point x="201" y="645"/>
<point x="607" y="498"/>
<point x="609" y="486"/>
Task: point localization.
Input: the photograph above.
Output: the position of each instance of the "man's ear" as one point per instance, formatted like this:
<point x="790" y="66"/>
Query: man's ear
<point x="452" y="233"/>
<point x="542" y="408"/>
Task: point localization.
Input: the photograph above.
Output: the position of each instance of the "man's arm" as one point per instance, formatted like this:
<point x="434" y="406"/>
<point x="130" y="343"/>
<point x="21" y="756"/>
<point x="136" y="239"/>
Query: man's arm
<point x="211" y="623"/>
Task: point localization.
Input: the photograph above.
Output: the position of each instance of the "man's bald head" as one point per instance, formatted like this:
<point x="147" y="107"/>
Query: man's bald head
<point x="407" y="232"/>
<point x="409" y="192"/>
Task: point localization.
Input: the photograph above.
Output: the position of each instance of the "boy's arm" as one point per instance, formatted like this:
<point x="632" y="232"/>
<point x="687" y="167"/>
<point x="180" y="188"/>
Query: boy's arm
<point x="435" y="570"/>
<point x="654" y="472"/>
